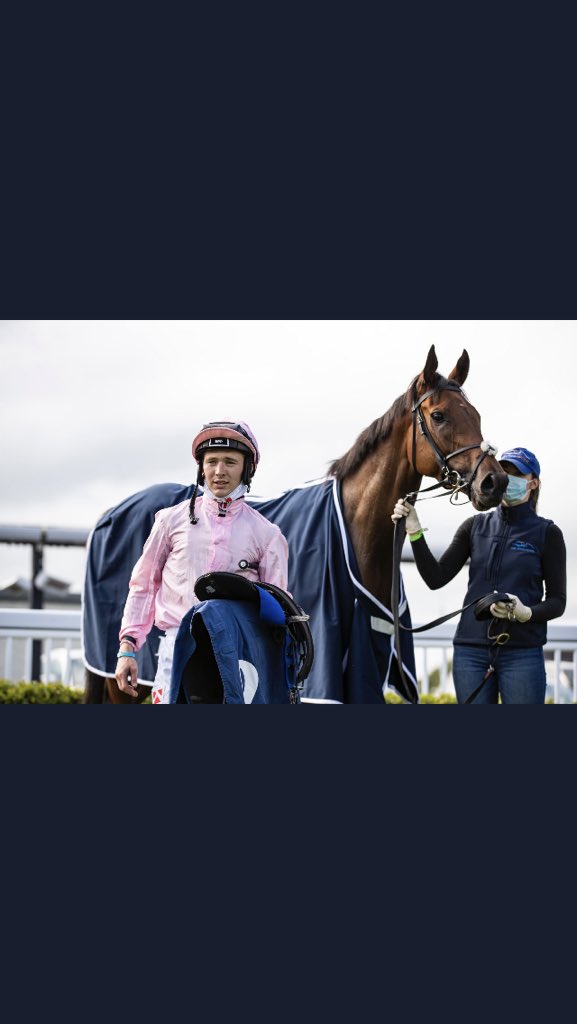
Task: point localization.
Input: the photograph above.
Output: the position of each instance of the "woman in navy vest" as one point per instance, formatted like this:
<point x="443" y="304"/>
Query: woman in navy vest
<point x="511" y="550"/>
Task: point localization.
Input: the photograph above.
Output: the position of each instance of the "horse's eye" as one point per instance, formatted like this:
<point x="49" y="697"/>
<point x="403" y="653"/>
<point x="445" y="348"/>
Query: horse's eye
<point x="437" y="417"/>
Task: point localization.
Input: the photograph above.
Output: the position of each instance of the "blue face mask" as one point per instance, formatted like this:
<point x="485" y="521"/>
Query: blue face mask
<point x="516" y="489"/>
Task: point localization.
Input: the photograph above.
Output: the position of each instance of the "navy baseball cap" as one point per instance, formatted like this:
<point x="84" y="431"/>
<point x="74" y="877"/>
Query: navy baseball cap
<point x="523" y="459"/>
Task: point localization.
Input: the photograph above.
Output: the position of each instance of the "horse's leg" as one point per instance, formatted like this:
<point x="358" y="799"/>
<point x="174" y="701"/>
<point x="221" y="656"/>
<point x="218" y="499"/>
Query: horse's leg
<point x="114" y="695"/>
<point x="104" y="690"/>
<point x="94" y="688"/>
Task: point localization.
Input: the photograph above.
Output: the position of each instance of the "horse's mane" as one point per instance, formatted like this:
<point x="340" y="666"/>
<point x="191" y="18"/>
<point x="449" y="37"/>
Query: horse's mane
<point x="378" y="431"/>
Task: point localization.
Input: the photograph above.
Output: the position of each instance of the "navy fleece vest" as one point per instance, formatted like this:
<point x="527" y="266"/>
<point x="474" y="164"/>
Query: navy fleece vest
<point x="506" y="552"/>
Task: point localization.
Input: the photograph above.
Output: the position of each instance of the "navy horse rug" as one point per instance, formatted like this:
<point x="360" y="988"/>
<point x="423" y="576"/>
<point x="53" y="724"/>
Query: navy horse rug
<point x="113" y="549"/>
<point x="355" y="659"/>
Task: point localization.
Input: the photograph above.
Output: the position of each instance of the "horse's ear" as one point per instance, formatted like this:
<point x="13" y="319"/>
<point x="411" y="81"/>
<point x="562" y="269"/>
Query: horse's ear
<point x="461" y="371"/>
<point x="427" y="378"/>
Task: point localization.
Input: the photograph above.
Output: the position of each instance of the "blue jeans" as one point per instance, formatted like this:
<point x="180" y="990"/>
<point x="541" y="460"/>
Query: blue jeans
<point x="519" y="675"/>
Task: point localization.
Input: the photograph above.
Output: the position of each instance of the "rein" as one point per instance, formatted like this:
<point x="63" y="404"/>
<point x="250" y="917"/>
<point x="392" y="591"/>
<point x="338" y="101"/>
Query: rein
<point x="452" y="481"/>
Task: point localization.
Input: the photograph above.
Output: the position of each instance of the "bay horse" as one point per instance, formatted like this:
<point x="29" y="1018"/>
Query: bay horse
<point x="431" y="430"/>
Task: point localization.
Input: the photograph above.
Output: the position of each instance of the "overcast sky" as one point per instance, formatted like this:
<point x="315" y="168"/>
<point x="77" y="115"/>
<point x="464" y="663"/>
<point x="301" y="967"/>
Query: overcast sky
<point x="94" y="410"/>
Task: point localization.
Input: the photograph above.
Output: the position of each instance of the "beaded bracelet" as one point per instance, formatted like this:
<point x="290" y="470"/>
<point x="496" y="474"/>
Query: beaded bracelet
<point x="126" y="654"/>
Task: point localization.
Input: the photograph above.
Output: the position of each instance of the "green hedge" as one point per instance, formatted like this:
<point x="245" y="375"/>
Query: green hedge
<point x="55" y="693"/>
<point x="38" y="693"/>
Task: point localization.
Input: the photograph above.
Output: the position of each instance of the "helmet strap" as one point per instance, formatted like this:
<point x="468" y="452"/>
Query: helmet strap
<point x="191" y="515"/>
<point x="199" y="481"/>
<point x="247" y="471"/>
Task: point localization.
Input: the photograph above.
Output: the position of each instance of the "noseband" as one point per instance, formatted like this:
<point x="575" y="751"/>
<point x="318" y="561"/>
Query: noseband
<point x="450" y="477"/>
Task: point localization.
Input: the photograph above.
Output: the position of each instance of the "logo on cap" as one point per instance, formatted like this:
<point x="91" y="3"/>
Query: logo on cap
<point x="522" y="457"/>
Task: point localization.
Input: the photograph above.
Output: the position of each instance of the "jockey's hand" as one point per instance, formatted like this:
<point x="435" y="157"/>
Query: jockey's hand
<point x="126" y="674"/>
<point x="513" y="609"/>
<point x="404" y="509"/>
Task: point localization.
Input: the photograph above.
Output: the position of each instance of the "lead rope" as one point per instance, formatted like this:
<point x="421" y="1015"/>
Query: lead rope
<point x="407" y="685"/>
<point x="410" y="690"/>
<point x="498" y="642"/>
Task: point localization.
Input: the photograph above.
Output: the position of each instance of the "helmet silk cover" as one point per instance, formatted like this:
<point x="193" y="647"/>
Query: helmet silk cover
<point x="226" y="434"/>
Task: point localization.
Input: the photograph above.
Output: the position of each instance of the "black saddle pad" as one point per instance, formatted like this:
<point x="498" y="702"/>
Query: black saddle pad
<point x="225" y="585"/>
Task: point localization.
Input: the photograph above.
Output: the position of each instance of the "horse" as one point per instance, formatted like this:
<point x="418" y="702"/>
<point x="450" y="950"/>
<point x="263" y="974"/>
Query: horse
<point x="431" y="430"/>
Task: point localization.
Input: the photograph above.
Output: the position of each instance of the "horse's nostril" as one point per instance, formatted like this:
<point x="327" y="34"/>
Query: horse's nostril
<point x="494" y="483"/>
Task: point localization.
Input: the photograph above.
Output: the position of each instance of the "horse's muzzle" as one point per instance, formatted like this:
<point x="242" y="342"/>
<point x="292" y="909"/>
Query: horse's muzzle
<point x="487" y="492"/>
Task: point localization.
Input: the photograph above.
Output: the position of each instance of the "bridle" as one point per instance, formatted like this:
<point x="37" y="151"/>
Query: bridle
<point x="451" y="479"/>
<point x="453" y="483"/>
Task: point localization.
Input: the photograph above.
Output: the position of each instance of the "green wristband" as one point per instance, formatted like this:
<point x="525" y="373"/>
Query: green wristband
<point x="415" y="536"/>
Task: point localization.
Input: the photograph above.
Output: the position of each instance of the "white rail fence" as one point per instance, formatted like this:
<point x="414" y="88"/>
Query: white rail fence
<point x="59" y="633"/>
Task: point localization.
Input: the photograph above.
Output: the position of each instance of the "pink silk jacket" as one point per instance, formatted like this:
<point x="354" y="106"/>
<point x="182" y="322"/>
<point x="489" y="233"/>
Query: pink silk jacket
<point x="176" y="553"/>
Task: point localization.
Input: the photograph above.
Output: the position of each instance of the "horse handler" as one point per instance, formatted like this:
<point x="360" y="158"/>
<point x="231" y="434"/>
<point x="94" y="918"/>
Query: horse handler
<point x="216" y="531"/>
<point x="514" y="551"/>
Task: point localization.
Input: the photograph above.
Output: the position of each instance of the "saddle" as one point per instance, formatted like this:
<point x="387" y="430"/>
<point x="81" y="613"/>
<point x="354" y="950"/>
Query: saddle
<point x="276" y="608"/>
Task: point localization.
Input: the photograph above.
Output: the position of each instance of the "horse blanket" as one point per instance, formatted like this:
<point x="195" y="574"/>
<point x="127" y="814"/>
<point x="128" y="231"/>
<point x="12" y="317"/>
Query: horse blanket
<point x="114" y="547"/>
<point x="355" y="657"/>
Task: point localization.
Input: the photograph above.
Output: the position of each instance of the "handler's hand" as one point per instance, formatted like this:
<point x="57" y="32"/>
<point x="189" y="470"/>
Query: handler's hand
<point x="405" y="509"/>
<point x="126" y="676"/>
<point x="513" y="609"/>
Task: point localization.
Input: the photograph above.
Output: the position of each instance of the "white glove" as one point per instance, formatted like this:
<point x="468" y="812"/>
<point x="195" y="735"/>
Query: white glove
<point x="513" y="609"/>
<point x="404" y="509"/>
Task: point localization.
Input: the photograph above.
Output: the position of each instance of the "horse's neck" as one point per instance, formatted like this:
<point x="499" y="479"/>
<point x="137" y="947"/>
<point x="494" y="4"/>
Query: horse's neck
<point x="369" y="497"/>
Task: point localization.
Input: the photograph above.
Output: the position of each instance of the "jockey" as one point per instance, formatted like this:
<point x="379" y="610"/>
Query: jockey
<point x="215" y="531"/>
